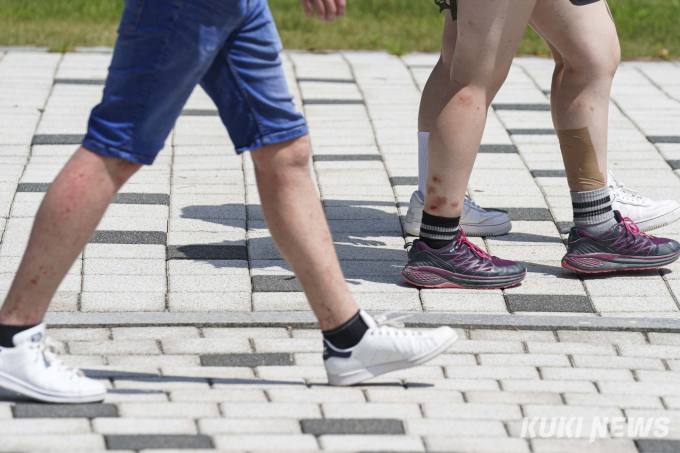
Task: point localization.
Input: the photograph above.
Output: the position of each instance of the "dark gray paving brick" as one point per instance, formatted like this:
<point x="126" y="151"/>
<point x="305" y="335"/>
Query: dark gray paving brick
<point x="321" y="426"/>
<point x="548" y="173"/>
<point x="664" y="138"/>
<point x="332" y="102"/>
<point x="157" y="441"/>
<point x="143" y="198"/>
<point x="531" y="131"/>
<point x="248" y="360"/>
<point x="207" y="252"/>
<point x="325" y="80"/>
<point x="524" y="107"/>
<point x="200" y="112"/>
<point x="57" y="139"/>
<point x="341" y="157"/>
<point x="404" y="180"/>
<point x="121" y="198"/>
<point x="529" y="214"/>
<point x="658" y="445"/>
<point x="275" y="283"/>
<point x="498" y="149"/>
<point x="35" y="410"/>
<point x="129" y="237"/>
<point x="79" y="81"/>
<point x="548" y="303"/>
<point x="675" y="164"/>
<point x="33" y="187"/>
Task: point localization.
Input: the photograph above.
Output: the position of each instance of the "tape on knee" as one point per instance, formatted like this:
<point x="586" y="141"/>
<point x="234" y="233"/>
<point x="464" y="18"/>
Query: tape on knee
<point x="580" y="160"/>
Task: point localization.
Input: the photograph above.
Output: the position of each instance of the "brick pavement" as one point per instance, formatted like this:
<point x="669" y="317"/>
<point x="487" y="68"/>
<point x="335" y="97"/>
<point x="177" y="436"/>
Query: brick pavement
<point x="223" y="357"/>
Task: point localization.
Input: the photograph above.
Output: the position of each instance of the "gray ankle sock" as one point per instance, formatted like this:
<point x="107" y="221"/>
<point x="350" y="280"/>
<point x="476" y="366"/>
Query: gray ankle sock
<point x="593" y="210"/>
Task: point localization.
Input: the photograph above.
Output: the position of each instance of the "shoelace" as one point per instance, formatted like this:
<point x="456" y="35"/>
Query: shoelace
<point x="47" y="350"/>
<point x="391" y="323"/>
<point x="632" y="228"/>
<point x="463" y="240"/>
<point x="618" y="190"/>
<point x="472" y="204"/>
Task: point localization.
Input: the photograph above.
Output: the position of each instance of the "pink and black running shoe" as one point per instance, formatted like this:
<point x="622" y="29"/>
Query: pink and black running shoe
<point x="622" y="248"/>
<point x="461" y="264"/>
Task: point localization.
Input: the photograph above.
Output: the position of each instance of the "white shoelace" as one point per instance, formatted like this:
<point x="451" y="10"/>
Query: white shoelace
<point x="621" y="192"/>
<point x="391" y="323"/>
<point x="47" y="351"/>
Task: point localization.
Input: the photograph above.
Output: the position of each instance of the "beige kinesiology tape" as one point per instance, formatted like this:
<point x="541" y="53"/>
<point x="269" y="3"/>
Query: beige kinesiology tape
<point x="580" y="160"/>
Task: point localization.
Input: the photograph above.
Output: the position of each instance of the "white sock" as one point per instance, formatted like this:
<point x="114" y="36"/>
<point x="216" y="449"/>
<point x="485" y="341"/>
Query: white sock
<point x="423" y="141"/>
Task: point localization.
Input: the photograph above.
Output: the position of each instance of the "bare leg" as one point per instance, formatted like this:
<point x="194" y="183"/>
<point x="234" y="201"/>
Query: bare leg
<point x="586" y="51"/>
<point x="291" y="206"/>
<point x="488" y="35"/>
<point x="69" y="214"/>
<point x="437" y="89"/>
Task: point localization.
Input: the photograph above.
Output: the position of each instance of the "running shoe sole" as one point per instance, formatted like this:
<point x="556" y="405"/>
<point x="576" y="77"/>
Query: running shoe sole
<point x="603" y="263"/>
<point x="11" y="383"/>
<point x="433" y="277"/>
<point x="364" y="374"/>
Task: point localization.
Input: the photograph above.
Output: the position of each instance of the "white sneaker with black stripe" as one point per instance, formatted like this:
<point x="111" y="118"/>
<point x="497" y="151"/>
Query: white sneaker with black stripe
<point x="475" y="220"/>
<point x="32" y="369"/>
<point x="384" y="347"/>
<point x="647" y="214"/>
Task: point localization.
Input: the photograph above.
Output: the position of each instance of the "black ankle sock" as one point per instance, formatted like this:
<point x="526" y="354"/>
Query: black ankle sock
<point x="7" y="334"/>
<point x="437" y="231"/>
<point x="348" y="334"/>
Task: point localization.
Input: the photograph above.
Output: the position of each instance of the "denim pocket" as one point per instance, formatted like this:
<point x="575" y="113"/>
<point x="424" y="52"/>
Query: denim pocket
<point x="132" y="16"/>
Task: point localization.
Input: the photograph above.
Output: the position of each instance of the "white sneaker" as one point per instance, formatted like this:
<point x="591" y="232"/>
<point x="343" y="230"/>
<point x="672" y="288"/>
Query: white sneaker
<point x="648" y="214"/>
<point x="384" y="348"/>
<point x="31" y="368"/>
<point x="475" y="221"/>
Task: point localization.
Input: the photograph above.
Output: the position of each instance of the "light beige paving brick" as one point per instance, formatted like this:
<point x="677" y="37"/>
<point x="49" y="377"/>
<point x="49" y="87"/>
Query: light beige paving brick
<point x="513" y="397"/>
<point x="122" y="347"/>
<point x="463" y="428"/>
<point x="512" y="335"/>
<point x="587" y="374"/>
<point x="258" y="442"/>
<point x="476" y="444"/>
<point x="372" y="442"/>
<point x="524" y="359"/>
<point x="213" y="426"/>
<point x="271" y="410"/>
<point x="144" y="426"/>
<point x="524" y="385"/>
<point x="472" y="411"/>
<point x="371" y="410"/>
<point x="168" y="410"/>
<point x="492" y="372"/>
<point x="40" y="426"/>
<point x="601" y="337"/>
<point x="141" y="333"/>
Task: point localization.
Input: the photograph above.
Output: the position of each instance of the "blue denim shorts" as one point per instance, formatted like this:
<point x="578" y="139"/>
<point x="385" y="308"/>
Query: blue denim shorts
<point x="165" y="48"/>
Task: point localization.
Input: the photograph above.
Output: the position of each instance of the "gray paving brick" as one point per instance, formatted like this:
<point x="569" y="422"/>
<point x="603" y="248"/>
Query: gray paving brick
<point x="156" y="442"/>
<point x="248" y="360"/>
<point x="323" y="426"/>
<point x="549" y="303"/>
<point x="129" y="237"/>
<point x="275" y="283"/>
<point x="657" y="445"/>
<point x="57" y="139"/>
<point x="207" y="252"/>
<point x="30" y="410"/>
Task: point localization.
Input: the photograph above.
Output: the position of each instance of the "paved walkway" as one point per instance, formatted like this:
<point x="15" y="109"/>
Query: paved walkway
<point x="226" y="358"/>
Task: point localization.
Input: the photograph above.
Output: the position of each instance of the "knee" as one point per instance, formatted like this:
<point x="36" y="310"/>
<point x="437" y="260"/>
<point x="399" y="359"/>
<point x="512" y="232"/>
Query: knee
<point x="471" y="96"/>
<point x="279" y="160"/>
<point x="594" y="64"/>
<point x="121" y="170"/>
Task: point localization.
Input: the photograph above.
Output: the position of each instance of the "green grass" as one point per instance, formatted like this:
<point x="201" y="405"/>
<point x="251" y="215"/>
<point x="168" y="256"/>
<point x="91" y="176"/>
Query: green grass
<point x="647" y="28"/>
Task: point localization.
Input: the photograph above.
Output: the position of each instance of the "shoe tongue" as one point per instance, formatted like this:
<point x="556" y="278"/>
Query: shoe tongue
<point x="368" y="319"/>
<point x="32" y="335"/>
<point x="618" y="217"/>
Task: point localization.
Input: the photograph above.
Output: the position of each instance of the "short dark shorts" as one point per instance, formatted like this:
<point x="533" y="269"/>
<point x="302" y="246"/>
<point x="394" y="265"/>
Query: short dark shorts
<point x="451" y="5"/>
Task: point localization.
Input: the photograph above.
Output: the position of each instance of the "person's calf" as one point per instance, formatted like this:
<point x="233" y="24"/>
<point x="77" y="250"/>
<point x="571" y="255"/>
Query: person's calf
<point x="65" y="221"/>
